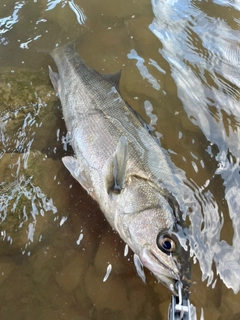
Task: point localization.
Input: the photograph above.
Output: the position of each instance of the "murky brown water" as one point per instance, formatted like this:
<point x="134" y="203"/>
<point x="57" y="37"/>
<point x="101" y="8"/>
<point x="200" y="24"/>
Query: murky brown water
<point x="182" y="59"/>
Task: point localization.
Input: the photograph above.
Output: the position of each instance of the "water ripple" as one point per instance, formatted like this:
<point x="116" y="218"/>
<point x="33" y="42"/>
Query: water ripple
<point x="202" y="50"/>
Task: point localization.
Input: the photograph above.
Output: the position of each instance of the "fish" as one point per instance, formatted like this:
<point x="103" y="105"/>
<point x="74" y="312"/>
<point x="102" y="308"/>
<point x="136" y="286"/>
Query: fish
<point x="121" y="165"/>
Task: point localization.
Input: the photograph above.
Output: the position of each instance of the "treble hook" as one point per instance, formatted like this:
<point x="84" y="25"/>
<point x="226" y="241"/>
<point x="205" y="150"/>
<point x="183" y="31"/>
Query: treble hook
<point x="180" y="308"/>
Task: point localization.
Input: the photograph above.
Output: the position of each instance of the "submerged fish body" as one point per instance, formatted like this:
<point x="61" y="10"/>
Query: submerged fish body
<point x="121" y="166"/>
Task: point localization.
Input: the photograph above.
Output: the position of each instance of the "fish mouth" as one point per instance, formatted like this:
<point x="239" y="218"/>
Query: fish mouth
<point x="161" y="270"/>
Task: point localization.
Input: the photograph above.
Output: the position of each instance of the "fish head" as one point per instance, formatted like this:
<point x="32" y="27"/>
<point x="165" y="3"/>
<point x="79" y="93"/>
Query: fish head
<point x="161" y="245"/>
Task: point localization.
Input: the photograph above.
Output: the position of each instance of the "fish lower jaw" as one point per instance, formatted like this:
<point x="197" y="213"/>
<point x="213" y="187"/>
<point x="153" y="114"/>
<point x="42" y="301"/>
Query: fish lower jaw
<point x="162" y="272"/>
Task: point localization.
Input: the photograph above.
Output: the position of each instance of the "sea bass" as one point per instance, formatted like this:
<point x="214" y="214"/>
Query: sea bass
<point x="122" y="166"/>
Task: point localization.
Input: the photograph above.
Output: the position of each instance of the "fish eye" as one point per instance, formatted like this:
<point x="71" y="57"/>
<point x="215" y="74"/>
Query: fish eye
<point x="166" y="244"/>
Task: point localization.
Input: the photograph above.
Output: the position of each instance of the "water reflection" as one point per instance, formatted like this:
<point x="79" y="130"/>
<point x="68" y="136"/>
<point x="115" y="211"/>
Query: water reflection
<point x="80" y="16"/>
<point x="8" y="22"/>
<point x="143" y="69"/>
<point x="202" y="48"/>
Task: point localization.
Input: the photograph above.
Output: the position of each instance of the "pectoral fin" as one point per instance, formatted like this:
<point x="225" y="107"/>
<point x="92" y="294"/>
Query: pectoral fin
<point x="116" y="175"/>
<point x="78" y="172"/>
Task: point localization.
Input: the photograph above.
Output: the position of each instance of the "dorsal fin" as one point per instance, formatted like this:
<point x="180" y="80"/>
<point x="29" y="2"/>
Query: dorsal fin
<point x="113" y="79"/>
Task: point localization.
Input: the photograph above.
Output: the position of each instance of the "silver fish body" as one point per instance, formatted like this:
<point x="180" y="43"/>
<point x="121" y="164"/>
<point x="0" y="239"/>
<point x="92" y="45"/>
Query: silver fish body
<point x="122" y="166"/>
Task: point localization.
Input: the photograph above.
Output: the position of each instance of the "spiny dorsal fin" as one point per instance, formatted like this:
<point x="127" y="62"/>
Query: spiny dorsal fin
<point x="113" y="79"/>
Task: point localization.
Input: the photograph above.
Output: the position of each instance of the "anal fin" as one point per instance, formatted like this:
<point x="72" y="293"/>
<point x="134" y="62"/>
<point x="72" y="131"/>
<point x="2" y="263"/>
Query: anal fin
<point x="54" y="76"/>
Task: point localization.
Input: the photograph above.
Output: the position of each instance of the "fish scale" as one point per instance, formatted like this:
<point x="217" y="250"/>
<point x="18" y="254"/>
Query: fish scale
<point x="122" y="167"/>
